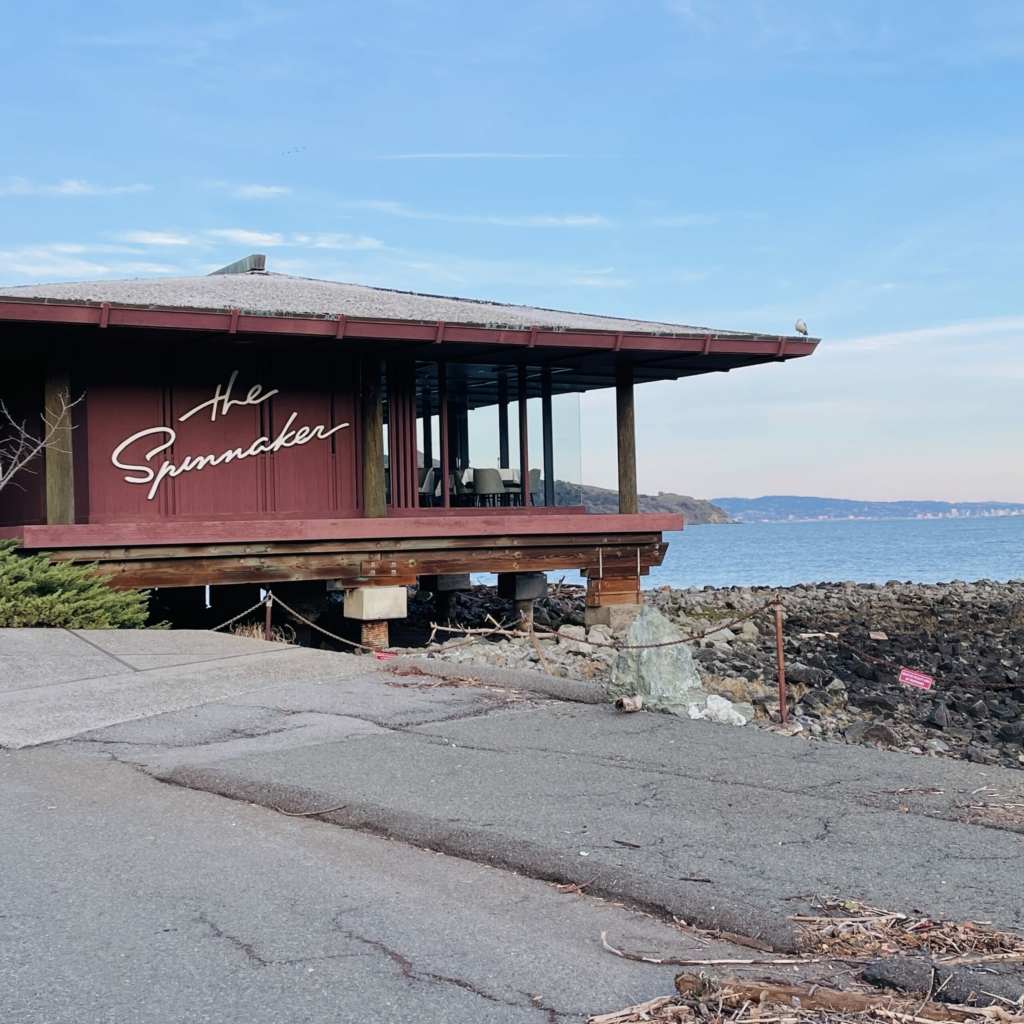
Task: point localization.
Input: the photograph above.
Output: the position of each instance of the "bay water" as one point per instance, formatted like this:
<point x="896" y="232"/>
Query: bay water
<point x="865" y="551"/>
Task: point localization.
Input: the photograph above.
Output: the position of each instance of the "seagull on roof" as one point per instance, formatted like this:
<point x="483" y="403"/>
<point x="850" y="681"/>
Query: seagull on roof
<point x="800" y="325"/>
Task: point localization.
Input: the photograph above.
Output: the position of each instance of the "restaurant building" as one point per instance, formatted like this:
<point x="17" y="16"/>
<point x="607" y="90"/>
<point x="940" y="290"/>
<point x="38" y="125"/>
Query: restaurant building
<point x="250" y="429"/>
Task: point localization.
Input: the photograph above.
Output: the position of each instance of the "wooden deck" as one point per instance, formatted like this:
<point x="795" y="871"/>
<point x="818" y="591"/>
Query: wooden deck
<point x="358" y="551"/>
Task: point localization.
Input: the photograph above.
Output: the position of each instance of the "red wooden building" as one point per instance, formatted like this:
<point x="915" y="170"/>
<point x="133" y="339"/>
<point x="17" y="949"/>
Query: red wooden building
<point x="255" y="428"/>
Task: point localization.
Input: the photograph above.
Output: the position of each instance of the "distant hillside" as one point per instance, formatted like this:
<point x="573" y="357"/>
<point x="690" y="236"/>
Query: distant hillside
<point x="775" y="508"/>
<point x="695" y="511"/>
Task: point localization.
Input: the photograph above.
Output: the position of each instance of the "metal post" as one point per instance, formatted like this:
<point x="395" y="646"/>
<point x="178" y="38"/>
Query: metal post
<point x="524" y="447"/>
<point x="503" y="421"/>
<point x="428" y="429"/>
<point x="548" y="436"/>
<point x="780" y="653"/>
<point x="266" y="624"/>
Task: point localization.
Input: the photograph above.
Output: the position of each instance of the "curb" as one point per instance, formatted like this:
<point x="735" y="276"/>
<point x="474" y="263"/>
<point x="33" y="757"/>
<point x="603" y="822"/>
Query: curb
<point x="575" y="690"/>
<point x="653" y="894"/>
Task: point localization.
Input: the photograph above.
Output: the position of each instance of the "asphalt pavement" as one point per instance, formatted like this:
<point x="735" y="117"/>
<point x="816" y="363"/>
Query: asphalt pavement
<point x="128" y="901"/>
<point x="725" y="827"/>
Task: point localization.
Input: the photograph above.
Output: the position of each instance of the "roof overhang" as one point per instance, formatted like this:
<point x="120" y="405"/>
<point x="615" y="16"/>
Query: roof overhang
<point x="591" y="354"/>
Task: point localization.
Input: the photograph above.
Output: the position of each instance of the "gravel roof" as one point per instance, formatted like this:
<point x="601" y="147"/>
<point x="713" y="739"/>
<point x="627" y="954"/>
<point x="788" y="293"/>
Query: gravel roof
<point x="281" y="294"/>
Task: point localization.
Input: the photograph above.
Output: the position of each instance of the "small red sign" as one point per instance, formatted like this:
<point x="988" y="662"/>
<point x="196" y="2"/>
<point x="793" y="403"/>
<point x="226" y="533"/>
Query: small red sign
<point x="918" y="679"/>
<point x="384" y="655"/>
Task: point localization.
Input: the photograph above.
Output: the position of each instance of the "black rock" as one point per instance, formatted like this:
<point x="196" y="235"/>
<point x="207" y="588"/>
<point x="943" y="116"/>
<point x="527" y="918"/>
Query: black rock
<point x="939" y="716"/>
<point x="805" y="674"/>
<point x="1012" y="732"/>
<point x="871" y="732"/>
<point x="881" y="701"/>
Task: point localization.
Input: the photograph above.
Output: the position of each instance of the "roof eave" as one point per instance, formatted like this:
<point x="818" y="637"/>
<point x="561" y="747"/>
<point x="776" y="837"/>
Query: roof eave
<point x="236" y="321"/>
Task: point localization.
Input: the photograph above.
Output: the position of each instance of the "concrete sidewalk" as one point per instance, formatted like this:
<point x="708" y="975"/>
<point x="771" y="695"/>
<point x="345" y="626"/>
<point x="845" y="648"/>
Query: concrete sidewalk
<point x="56" y="683"/>
<point x="719" y="825"/>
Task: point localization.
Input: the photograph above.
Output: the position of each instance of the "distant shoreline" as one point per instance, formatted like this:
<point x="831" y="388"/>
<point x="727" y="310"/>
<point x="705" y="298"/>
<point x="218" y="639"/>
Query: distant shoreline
<point x="778" y="508"/>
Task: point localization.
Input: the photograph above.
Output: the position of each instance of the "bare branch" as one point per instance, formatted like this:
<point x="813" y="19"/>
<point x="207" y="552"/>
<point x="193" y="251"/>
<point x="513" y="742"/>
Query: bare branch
<point x="20" y="445"/>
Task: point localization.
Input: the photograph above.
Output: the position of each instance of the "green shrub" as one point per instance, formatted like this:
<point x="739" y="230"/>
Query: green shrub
<point x="37" y="592"/>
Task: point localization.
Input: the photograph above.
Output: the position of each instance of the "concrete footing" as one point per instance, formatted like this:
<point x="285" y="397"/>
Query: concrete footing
<point x="371" y="604"/>
<point x="617" y="617"/>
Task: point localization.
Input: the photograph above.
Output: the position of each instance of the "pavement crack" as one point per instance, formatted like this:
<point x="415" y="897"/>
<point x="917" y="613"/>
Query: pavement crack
<point x="260" y="961"/>
<point x="412" y="973"/>
<point x="246" y="947"/>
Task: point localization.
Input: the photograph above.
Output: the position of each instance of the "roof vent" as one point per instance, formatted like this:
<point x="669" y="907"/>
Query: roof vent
<point x="256" y="263"/>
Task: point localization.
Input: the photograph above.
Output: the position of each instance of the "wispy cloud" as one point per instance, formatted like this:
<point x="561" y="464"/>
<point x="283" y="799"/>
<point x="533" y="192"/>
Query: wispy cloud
<point x="243" y="237"/>
<point x="527" y="221"/>
<point x="337" y="241"/>
<point x="275" y="239"/>
<point x="153" y="238"/>
<point x="477" y="156"/>
<point x="71" y="260"/>
<point x="258" y="191"/>
<point x="67" y="187"/>
<point x="949" y="332"/>
<point x="233" y="190"/>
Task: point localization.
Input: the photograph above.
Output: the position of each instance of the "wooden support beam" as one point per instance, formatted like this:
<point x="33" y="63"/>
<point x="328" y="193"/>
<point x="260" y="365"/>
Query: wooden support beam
<point x="613" y="590"/>
<point x="60" y="472"/>
<point x="365" y="568"/>
<point x="442" y="413"/>
<point x="372" y="422"/>
<point x="626" y="428"/>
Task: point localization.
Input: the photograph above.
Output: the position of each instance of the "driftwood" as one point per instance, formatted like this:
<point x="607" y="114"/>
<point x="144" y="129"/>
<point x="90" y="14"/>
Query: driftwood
<point x="734" y="993"/>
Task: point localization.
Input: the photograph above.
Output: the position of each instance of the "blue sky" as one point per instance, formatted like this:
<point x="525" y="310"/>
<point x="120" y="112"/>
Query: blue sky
<point x="735" y="163"/>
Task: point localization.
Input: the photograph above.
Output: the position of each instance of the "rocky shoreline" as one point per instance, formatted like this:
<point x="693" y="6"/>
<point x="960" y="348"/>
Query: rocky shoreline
<point x="844" y="644"/>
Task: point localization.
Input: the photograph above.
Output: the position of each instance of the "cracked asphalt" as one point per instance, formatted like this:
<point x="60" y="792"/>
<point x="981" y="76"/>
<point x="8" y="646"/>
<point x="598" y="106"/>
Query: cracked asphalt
<point x="240" y="909"/>
<point x="128" y="900"/>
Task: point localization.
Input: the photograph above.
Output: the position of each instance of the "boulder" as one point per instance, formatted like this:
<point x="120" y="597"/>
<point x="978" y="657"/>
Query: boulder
<point x="573" y="640"/>
<point x="721" y="636"/>
<point x="805" y="674"/>
<point x="871" y="732"/>
<point x="666" y="676"/>
<point x="749" y="632"/>
<point x="718" y="709"/>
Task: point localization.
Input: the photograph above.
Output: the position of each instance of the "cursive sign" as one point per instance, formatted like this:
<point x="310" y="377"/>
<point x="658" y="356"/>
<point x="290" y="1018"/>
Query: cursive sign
<point x="220" y="403"/>
<point x="225" y="401"/>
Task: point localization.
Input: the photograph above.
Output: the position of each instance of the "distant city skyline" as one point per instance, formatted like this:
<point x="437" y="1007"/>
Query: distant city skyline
<point x="735" y="166"/>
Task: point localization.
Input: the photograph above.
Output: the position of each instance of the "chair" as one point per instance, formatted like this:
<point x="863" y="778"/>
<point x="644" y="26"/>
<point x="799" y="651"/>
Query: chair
<point x="426" y="487"/>
<point x="535" y="486"/>
<point x="488" y="487"/>
<point x="463" y="495"/>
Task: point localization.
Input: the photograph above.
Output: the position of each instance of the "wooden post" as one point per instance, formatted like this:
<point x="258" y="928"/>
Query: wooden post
<point x="503" y="461"/>
<point x="549" y="436"/>
<point x="428" y="431"/>
<point x="626" y="424"/>
<point x="60" y="468"/>
<point x="372" y="421"/>
<point x="442" y="419"/>
<point x="524" y="446"/>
